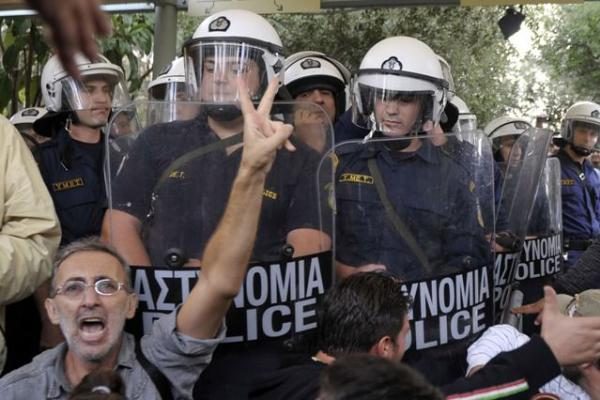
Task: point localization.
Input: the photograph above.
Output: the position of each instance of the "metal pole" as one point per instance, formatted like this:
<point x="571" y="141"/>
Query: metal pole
<point x="165" y="34"/>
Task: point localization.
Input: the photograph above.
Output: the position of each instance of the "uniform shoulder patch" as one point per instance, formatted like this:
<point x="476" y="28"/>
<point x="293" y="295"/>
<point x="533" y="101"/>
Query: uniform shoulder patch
<point x="356" y="178"/>
<point x="68" y="184"/>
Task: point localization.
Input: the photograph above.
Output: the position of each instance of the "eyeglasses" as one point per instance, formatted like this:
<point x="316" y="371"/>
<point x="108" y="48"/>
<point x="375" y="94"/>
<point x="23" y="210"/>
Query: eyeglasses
<point x="104" y="287"/>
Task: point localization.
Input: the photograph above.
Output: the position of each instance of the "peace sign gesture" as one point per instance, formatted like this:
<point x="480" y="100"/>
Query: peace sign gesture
<point x="262" y="136"/>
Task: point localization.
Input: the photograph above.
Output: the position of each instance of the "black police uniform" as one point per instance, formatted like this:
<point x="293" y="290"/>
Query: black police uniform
<point x="73" y="173"/>
<point x="432" y="195"/>
<point x="435" y="198"/>
<point x="191" y="200"/>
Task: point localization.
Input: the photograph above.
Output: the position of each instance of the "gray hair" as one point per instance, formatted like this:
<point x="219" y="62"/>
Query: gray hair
<point x="92" y="243"/>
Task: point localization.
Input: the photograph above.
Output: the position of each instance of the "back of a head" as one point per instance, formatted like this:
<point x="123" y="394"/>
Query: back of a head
<point x="367" y="377"/>
<point x="359" y="311"/>
<point x="102" y="384"/>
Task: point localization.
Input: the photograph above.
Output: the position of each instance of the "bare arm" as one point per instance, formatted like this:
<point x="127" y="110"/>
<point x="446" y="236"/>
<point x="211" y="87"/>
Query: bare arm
<point x="228" y="251"/>
<point x="124" y="232"/>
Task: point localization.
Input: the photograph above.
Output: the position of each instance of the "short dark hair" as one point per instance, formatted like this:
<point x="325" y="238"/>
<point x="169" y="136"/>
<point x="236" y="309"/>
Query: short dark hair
<point x="359" y="311"/>
<point x="92" y="243"/>
<point x="102" y="384"/>
<point x="368" y="377"/>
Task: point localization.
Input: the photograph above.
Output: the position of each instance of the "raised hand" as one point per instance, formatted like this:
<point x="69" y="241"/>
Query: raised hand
<point x="573" y="340"/>
<point x="74" y="24"/>
<point x="262" y="136"/>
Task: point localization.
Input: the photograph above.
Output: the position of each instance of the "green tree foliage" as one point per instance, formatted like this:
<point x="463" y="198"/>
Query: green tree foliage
<point x="468" y="38"/>
<point x="130" y="47"/>
<point x="569" y="55"/>
<point x="24" y="52"/>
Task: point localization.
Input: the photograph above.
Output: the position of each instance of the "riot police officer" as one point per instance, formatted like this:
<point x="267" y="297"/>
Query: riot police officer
<point x="400" y="93"/>
<point x="166" y="90"/>
<point x="580" y="184"/>
<point x="404" y="202"/>
<point x="313" y="76"/>
<point x="72" y="161"/>
<point x="171" y="193"/>
<point x="232" y="45"/>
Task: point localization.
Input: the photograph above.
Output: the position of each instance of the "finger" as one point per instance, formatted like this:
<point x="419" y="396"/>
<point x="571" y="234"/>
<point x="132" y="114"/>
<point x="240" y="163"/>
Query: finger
<point x="532" y="308"/>
<point x="85" y="34"/>
<point x="266" y="102"/>
<point x="550" y="300"/>
<point x="280" y="136"/>
<point x="102" y="22"/>
<point x="245" y="101"/>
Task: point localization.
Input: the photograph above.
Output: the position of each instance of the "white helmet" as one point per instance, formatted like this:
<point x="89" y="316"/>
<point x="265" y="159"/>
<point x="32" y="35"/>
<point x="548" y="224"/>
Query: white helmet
<point x="467" y="121"/>
<point x="309" y="70"/>
<point x="447" y="72"/>
<point x="399" y="66"/>
<point x="169" y="82"/>
<point x="586" y="113"/>
<point x="27" y="116"/>
<point x="63" y="93"/>
<point x="505" y="126"/>
<point x="232" y="43"/>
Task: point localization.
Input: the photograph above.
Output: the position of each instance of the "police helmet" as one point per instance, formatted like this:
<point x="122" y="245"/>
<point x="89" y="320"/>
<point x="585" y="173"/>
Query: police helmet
<point x="61" y="92"/>
<point x="27" y="116"/>
<point x="503" y="127"/>
<point x="230" y="44"/>
<point x="584" y="113"/>
<point x="395" y="67"/>
<point x="169" y="82"/>
<point x="308" y="70"/>
<point x="467" y="121"/>
<point x="447" y="72"/>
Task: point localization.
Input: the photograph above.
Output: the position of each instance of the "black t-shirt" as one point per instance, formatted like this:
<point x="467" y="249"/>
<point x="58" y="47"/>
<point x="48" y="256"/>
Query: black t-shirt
<point x="191" y="199"/>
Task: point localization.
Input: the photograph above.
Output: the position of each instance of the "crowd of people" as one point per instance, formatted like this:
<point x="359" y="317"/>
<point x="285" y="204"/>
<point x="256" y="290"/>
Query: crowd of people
<point x="267" y="228"/>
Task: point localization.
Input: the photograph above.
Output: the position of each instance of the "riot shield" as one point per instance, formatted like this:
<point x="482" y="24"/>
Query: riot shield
<point x="542" y="253"/>
<point x="168" y="197"/>
<point x="414" y="207"/>
<point x="516" y="202"/>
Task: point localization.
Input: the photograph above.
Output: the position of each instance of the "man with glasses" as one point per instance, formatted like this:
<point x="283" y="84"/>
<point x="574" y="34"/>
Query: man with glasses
<point x="91" y="296"/>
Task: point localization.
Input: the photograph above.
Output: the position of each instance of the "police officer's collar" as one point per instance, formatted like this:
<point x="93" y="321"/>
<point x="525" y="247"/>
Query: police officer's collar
<point x="428" y="152"/>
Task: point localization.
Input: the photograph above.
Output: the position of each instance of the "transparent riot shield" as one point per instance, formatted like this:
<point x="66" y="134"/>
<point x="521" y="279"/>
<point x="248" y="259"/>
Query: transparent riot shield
<point x="541" y="256"/>
<point x="168" y="194"/>
<point x="516" y="202"/>
<point x="421" y="208"/>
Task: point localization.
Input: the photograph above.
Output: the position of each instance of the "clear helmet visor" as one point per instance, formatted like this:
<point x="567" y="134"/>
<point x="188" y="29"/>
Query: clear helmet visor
<point x="393" y="113"/>
<point x="466" y="123"/>
<point x="583" y="134"/>
<point x="213" y="70"/>
<point x="94" y="97"/>
<point x="168" y="102"/>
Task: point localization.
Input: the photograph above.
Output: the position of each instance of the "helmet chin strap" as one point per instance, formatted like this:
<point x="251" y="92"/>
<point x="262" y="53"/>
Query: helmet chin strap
<point x="581" y="151"/>
<point x="223" y="113"/>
